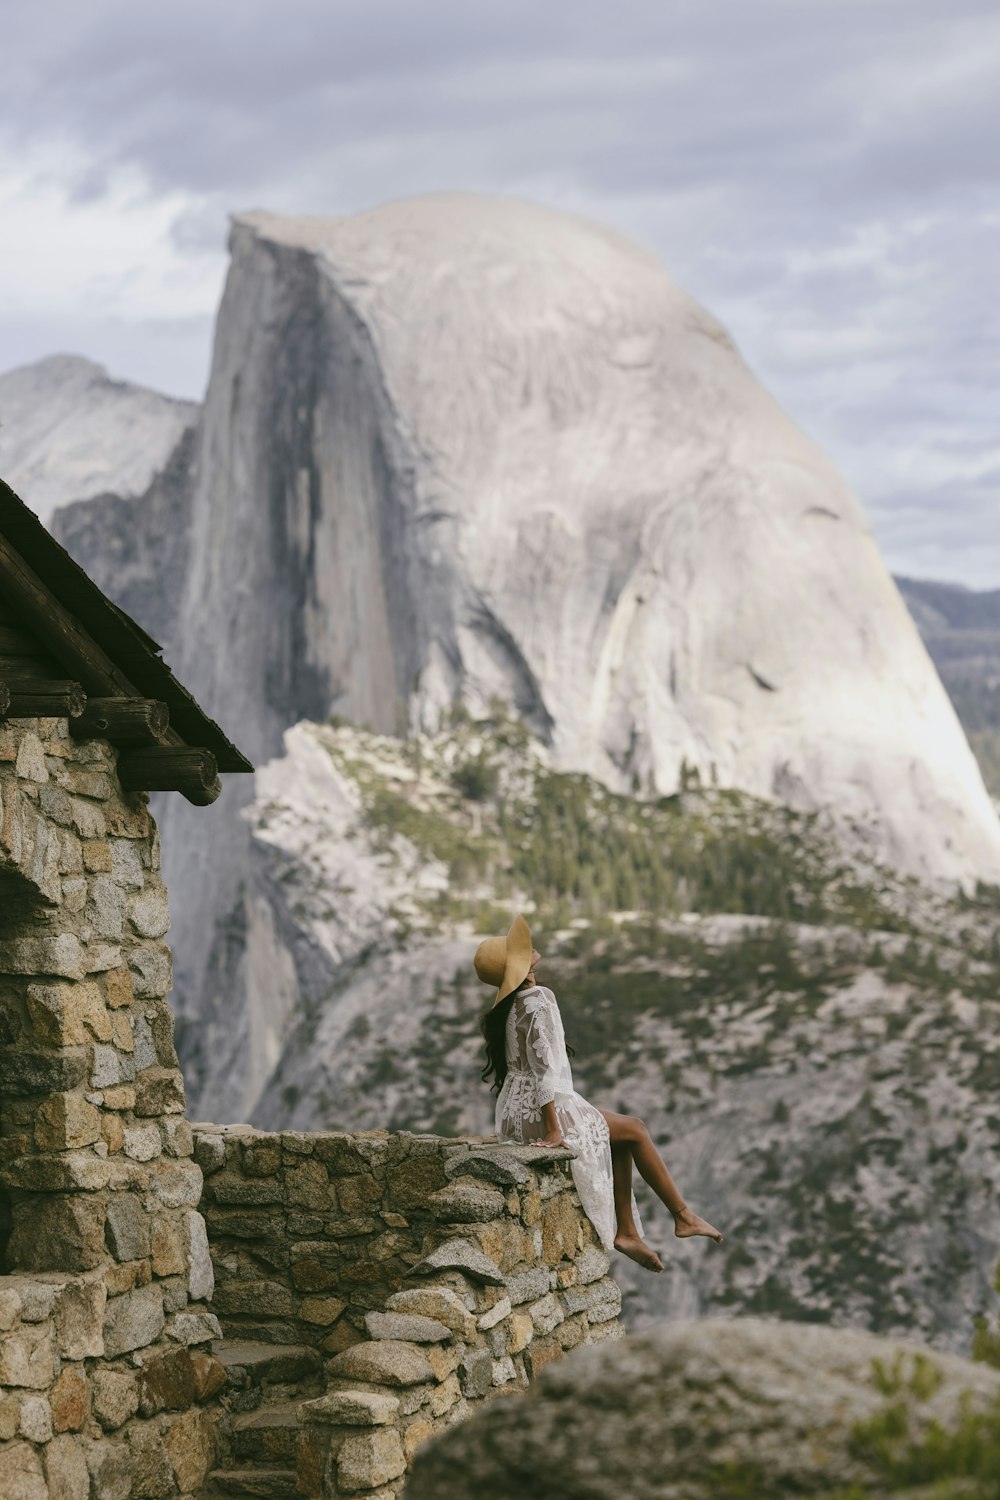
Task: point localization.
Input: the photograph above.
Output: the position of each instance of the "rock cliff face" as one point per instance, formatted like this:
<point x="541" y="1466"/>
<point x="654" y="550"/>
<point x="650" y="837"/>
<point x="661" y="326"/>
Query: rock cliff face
<point x="824" y="1089"/>
<point x="136" y="548"/>
<point x="107" y="466"/>
<point x="69" y="432"/>
<point x="460" y="446"/>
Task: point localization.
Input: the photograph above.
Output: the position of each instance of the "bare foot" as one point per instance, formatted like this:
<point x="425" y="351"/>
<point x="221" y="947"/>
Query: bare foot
<point x="687" y="1223"/>
<point x="637" y="1249"/>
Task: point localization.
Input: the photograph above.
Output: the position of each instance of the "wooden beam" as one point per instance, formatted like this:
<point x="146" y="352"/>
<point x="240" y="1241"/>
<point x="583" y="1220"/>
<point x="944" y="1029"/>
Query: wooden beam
<point x="24" y="655"/>
<point x="4" y="699"/>
<point x="43" y="665"/>
<point x="53" y="624"/>
<point x="157" y="768"/>
<point x="202" y="796"/>
<point x="41" y="698"/>
<point x="123" y="721"/>
<point x="19" y="642"/>
<point x="25" y="601"/>
<point x="36" y="607"/>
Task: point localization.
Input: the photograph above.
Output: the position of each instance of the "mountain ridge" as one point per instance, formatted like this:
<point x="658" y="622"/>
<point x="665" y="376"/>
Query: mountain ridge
<point x="821" y="1076"/>
<point x="452" y="450"/>
<point x="70" y="432"/>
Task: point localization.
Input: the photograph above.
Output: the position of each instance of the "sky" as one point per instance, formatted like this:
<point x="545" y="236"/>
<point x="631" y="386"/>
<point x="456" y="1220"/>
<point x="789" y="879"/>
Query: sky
<point x="823" y="175"/>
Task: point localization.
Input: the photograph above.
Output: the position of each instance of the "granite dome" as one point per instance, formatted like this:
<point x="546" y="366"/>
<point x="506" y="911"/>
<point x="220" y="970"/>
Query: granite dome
<point x="511" y="456"/>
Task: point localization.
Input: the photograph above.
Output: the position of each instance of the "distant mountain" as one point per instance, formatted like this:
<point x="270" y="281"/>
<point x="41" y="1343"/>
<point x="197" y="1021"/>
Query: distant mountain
<point x="961" y="630"/>
<point x="69" y="432"/>
<point x="949" y="610"/>
<point x="461" y="447"/>
<point x="106" y="465"/>
<point x="479" y="477"/>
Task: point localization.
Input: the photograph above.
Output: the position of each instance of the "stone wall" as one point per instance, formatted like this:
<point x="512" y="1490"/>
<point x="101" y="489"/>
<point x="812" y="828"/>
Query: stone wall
<point x="106" y="1382"/>
<point x="374" y="1288"/>
<point x="427" y="1274"/>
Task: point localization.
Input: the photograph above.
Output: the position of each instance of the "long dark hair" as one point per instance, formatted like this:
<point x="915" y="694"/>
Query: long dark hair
<point x="493" y="1025"/>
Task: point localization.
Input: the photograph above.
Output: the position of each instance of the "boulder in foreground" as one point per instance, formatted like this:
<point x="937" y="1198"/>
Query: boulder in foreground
<point x="717" y="1409"/>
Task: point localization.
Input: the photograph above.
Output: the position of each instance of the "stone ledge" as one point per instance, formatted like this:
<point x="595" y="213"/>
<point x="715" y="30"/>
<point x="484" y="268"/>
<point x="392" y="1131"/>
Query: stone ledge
<point x="416" y="1324"/>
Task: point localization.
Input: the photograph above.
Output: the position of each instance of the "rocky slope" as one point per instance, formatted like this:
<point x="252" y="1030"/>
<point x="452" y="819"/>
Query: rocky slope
<point x="458" y="447"/>
<point x="812" y="1040"/>
<point x="727" y="1410"/>
<point x="69" y="432"/>
<point x="107" y="467"/>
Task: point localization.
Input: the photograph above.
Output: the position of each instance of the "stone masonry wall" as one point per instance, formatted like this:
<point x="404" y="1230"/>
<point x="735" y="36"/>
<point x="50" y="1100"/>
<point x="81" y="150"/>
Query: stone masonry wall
<point x="106" y="1381"/>
<point x="373" y="1287"/>
<point x="427" y="1274"/>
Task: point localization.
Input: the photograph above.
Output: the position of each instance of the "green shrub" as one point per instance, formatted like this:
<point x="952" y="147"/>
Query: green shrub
<point x="476" y="778"/>
<point x="889" y="1442"/>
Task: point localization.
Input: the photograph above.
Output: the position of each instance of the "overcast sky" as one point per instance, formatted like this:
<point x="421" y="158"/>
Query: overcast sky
<point x="824" y="175"/>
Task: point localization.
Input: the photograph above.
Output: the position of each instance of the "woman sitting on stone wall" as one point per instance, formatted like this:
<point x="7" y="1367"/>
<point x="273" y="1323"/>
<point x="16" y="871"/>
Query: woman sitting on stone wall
<point x="538" y="1105"/>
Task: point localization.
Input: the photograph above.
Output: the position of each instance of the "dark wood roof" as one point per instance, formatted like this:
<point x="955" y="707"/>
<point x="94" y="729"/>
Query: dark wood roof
<point x="132" y="650"/>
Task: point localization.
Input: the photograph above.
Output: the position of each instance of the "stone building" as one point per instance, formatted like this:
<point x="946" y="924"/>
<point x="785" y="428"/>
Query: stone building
<point x="209" y="1311"/>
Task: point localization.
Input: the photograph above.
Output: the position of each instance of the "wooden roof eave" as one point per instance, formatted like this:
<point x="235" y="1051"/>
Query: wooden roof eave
<point x="134" y="670"/>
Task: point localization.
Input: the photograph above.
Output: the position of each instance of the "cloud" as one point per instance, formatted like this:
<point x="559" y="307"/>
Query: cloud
<point x="821" y="175"/>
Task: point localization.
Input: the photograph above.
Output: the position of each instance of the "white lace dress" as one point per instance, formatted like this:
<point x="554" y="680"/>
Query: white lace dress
<point x="538" y="1073"/>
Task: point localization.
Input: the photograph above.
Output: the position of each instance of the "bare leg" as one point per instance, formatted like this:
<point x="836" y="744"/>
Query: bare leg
<point x="631" y="1132"/>
<point x="627" y="1239"/>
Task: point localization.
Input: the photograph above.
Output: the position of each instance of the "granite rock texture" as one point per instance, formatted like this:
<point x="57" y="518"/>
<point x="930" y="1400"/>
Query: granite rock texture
<point x="699" y="1409"/>
<point x="69" y="432"/>
<point x="823" y="1092"/>
<point x="491" y="448"/>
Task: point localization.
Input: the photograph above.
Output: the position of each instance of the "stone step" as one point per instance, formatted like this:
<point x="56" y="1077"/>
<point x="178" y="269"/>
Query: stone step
<point x="265" y="1484"/>
<point x="267" y="1364"/>
<point x="267" y="1435"/>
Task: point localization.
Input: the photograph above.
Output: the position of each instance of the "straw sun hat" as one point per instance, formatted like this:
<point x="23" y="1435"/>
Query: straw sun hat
<point x="505" y="961"/>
